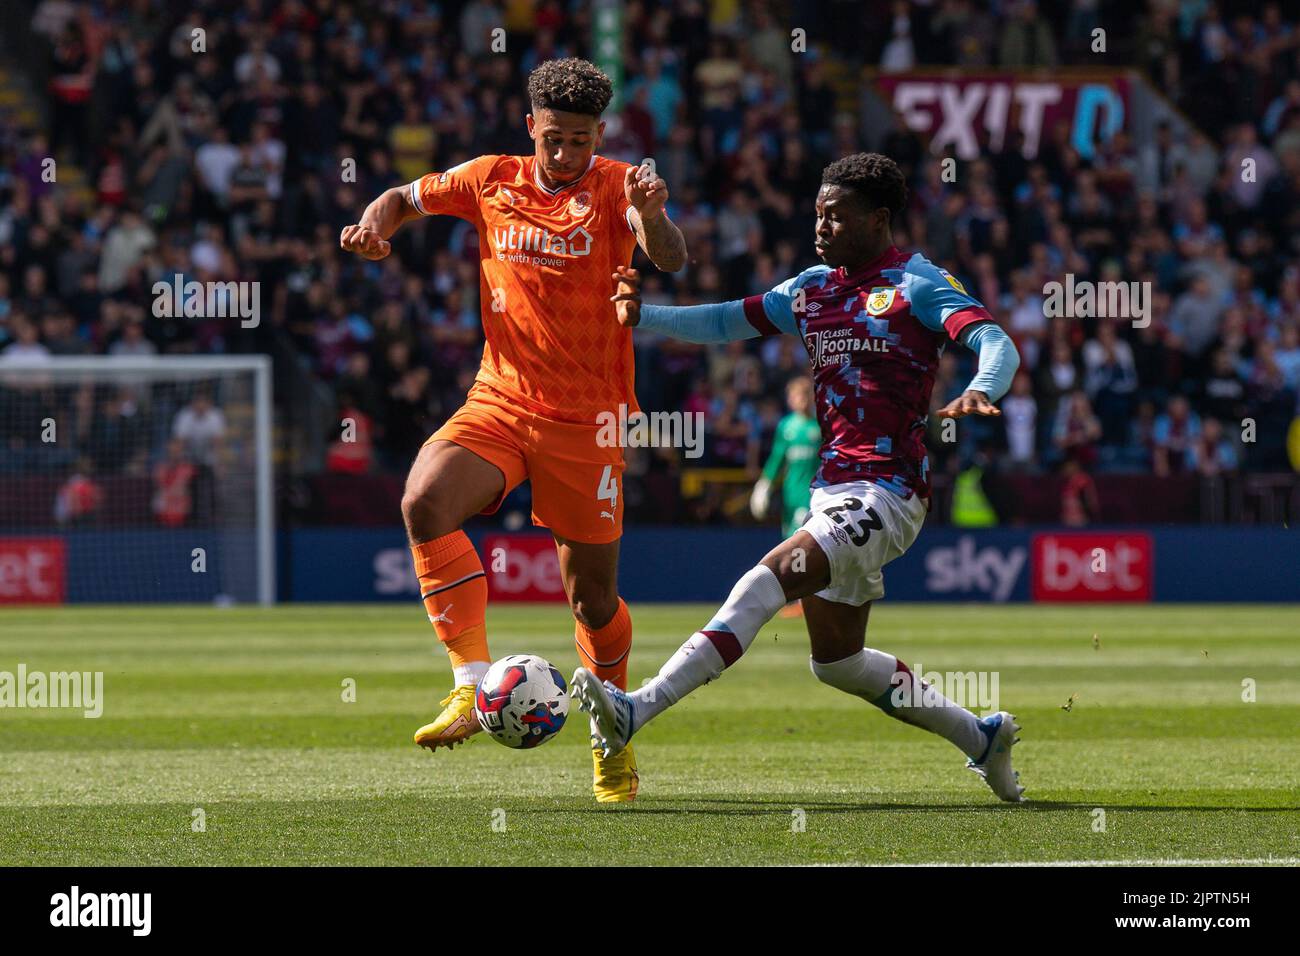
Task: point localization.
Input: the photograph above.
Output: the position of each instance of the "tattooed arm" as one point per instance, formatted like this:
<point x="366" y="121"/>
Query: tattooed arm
<point x="656" y="234"/>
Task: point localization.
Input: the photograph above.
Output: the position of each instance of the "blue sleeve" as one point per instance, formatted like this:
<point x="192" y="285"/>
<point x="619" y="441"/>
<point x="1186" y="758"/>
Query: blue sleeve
<point x="771" y="313"/>
<point x="936" y="296"/>
<point x="778" y="306"/>
<point x="998" y="359"/>
<point x="714" y="322"/>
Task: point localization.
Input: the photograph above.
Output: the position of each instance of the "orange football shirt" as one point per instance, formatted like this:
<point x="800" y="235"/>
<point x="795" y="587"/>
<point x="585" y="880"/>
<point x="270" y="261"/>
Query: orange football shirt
<point x="553" y="342"/>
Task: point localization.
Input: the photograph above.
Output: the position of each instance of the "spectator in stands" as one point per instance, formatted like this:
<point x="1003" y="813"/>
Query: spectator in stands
<point x="80" y="497"/>
<point x="1057" y="378"/>
<point x="118" y="439"/>
<point x="410" y="415"/>
<point x="1212" y="453"/>
<point x="1223" y="393"/>
<point x="59" y="333"/>
<point x="37" y="300"/>
<point x="178" y="119"/>
<point x="26" y="347"/>
<point x="1022" y="310"/>
<point x="1020" y="415"/>
<point x="71" y="86"/>
<point x="173" y="486"/>
<point x="1194" y="318"/>
<point x="1273" y="405"/>
<point x="1077" y="429"/>
<point x="351" y="450"/>
<point x="1110" y="379"/>
<point x="1287" y="356"/>
<point x="1175" y="431"/>
<point x="200" y="426"/>
<point x="1026" y="39"/>
<point x="1080" y="504"/>
<point x="124" y="246"/>
<point x="900" y="53"/>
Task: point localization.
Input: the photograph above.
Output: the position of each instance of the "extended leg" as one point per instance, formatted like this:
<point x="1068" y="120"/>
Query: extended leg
<point x="839" y="658"/>
<point x="837" y="633"/>
<point x="795" y="568"/>
<point x="446" y="485"/>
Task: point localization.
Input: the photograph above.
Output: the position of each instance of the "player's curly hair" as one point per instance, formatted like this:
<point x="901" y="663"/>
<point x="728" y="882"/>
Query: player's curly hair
<point x="873" y="176"/>
<point x="571" y="85"/>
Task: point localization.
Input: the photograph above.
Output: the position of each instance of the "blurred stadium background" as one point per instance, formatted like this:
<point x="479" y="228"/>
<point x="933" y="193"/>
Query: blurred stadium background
<point x="1112" y="156"/>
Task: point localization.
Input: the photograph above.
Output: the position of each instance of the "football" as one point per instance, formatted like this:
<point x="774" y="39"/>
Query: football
<point x="522" y="701"/>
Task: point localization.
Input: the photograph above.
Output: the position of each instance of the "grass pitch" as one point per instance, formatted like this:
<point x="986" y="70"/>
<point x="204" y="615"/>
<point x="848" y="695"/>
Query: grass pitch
<point x="239" y="713"/>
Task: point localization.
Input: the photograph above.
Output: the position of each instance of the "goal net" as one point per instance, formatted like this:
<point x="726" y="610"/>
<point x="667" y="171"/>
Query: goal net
<point x="136" y="480"/>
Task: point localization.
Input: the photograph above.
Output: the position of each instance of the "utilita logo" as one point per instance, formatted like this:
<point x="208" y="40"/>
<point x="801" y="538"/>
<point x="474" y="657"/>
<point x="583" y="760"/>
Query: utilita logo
<point x="1092" y="567"/>
<point x="964" y="568"/>
<point x="541" y="239"/>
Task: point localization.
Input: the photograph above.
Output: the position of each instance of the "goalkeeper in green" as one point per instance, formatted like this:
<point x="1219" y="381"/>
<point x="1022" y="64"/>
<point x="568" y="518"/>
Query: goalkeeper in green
<point x="796" y="451"/>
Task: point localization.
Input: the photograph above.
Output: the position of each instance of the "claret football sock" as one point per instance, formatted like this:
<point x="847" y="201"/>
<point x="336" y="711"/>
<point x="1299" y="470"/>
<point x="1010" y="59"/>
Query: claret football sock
<point x="752" y="602"/>
<point x="885" y="681"/>
<point x="604" y="650"/>
<point x="454" y="590"/>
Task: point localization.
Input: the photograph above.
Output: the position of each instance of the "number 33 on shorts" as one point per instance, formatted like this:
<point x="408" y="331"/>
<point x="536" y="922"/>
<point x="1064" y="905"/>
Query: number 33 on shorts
<point x="608" y="491"/>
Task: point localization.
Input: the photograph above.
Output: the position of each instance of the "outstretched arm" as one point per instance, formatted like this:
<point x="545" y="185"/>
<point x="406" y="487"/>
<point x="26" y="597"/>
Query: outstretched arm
<point x="714" y="322"/>
<point x="748" y="318"/>
<point x="998" y="361"/>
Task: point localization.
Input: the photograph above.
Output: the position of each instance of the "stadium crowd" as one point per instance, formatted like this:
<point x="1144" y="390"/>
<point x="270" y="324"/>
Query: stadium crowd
<point x="244" y="160"/>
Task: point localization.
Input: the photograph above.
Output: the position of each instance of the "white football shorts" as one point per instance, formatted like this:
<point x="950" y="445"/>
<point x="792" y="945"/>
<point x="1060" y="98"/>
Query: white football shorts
<point x="861" y="526"/>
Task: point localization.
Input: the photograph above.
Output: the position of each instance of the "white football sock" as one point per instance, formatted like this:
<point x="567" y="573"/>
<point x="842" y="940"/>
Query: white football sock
<point x="752" y="602"/>
<point x="471" y="672"/>
<point x="885" y="681"/>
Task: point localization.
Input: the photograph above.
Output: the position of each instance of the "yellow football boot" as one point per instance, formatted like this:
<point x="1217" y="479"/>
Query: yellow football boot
<point x="614" y="779"/>
<point x="455" y="724"/>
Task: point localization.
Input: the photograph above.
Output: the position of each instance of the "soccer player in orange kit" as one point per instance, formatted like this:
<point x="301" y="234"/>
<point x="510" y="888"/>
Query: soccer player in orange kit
<point x="552" y="227"/>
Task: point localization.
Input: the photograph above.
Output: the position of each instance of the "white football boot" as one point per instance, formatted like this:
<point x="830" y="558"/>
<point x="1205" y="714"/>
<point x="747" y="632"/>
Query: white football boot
<point x="995" y="764"/>
<point x="610" y="709"/>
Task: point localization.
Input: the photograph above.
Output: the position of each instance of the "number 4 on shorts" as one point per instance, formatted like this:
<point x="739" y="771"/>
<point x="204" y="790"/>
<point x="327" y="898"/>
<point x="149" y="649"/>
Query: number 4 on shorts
<point x="608" y="490"/>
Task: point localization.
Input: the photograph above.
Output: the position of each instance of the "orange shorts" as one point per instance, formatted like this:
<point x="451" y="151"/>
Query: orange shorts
<point x="577" y="483"/>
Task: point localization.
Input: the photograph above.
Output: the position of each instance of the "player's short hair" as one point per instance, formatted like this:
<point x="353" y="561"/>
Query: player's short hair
<point x="571" y="85"/>
<point x="873" y="176"/>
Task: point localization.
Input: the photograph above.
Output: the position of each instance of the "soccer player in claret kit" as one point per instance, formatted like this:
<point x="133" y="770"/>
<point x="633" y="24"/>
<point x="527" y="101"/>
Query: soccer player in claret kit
<point x="875" y="322"/>
<point x="552" y="227"/>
